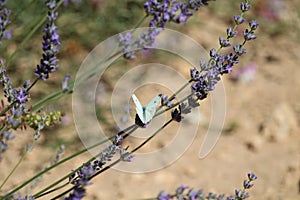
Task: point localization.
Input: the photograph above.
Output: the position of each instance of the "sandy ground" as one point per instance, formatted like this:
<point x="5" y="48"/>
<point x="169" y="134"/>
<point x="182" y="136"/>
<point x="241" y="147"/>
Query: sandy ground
<point x="260" y="135"/>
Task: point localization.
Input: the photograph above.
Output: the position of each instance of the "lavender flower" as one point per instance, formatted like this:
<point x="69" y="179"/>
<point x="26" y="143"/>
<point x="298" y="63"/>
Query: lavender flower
<point x="220" y="64"/>
<point x="59" y="155"/>
<point x="231" y="33"/>
<point x="187" y="193"/>
<point x="241" y="194"/>
<point x="125" y="156"/>
<point x="125" y="43"/>
<point x="192" y="195"/>
<point x="245" y="7"/>
<point x="49" y="62"/>
<point x="4" y="19"/>
<point x="77" y="194"/>
<point x="163" y="196"/>
<point x="195" y="74"/>
<point x="14" y="96"/>
<point x="253" y="25"/>
<point x="239" y="50"/>
<point x="26" y="198"/>
<point x="176" y="114"/>
<point x="238" y="19"/>
<point x="224" y="42"/>
<point x="193" y="103"/>
<point x="164" y="11"/>
<point x="130" y="45"/>
<point x="252" y="177"/>
<point x="83" y="176"/>
<point x="181" y="189"/>
<point x="249" y="35"/>
<point x="165" y="101"/>
<point x="64" y="84"/>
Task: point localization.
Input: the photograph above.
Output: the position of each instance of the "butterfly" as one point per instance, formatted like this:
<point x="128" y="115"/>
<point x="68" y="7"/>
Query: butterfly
<point x="146" y="113"/>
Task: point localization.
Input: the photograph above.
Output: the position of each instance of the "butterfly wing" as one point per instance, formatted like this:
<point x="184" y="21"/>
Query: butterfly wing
<point x="150" y="109"/>
<point x="139" y="108"/>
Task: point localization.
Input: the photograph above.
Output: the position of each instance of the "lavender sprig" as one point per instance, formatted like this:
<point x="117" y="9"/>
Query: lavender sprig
<point x="49" y="62"/>
<point x="83" y="176"/>
<point x="16" y="97"/>
<point x="187" y="193"/>
<point x="4" y="19"/>
<point x="162" y="12"/>
<point x="130" y="46"/>
<point x="218" y="65"/>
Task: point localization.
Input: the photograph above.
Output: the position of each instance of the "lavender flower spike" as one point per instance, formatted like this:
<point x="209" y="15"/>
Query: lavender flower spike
<point x="164" y="11"/>
<point x="4" y="21"/>
<point x="49" y="62"/>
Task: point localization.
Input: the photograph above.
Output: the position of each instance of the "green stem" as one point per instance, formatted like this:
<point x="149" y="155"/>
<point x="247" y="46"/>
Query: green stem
<point x="140" y="22"/>
<point x="14" y="169"/>
<point x="118" y="160"/>
<point x="63" y="161"/>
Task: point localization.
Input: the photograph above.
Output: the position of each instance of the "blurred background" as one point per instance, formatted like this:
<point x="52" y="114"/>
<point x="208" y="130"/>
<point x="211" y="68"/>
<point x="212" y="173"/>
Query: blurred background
<point x="261" y="130"/>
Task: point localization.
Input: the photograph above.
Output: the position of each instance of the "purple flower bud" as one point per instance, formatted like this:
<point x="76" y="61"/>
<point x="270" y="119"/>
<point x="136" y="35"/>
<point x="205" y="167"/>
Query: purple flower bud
<point x="181" y="189"/>
<point x="241" y="194"/>
<point x="239" y="50"/>
<point x="224" y="42"/>
<point x="65" y="86"/>
<point x="176" y="114"/>
<point x="253" y="24"/>
<point x="247" y="184"/>
<point x="195" y="74"/>
<point x="77" y="194"/>
<point x="163" y="196"/>
<point x="249" y="35"/>
<point x="238" y="19"/>
<point x="245" y="7"/>
<point x="252" y="177"/>
<point x="231" y="33"/>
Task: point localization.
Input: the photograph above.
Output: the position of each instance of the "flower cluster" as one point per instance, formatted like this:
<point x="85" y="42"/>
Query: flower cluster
<point x="185" y="192"/>
<point x="39" y="121"/>
<point x="163" y="11"/>
<point x="49" y="62"/>
<point x="210" y="72"/>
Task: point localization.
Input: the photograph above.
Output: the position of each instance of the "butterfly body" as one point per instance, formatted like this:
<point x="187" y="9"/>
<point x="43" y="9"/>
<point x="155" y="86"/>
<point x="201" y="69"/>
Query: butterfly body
<point x="146" y="113"/>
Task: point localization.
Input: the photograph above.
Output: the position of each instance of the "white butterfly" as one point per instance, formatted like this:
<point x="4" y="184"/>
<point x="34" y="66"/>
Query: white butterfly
<point x="146" y="113"/>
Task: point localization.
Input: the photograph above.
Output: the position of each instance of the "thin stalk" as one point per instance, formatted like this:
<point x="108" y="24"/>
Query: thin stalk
<point x="14" y="169"/>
